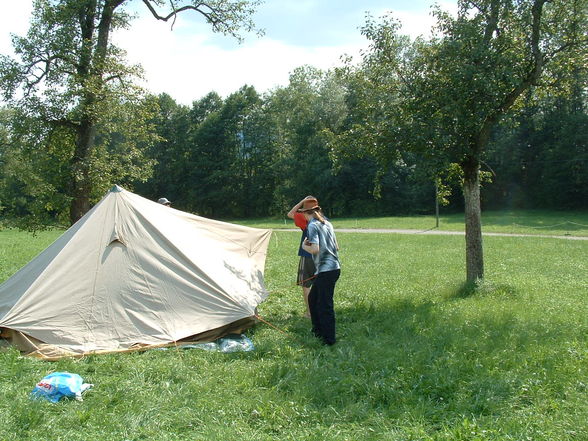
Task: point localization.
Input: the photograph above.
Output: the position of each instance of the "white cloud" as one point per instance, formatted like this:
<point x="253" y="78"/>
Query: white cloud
<point x="14" y="19"/>
<point x="187" y="62"/>
<point x="187" y="67"/>
<point x="265" y="64"/>
<point x="416" y="23"/>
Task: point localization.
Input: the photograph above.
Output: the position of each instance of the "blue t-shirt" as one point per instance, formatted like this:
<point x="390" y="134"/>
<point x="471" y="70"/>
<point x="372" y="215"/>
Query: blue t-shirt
<point x="327" y="259"/>
<point x="301" y="252"/>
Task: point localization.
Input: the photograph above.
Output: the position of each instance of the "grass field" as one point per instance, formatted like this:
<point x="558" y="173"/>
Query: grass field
<point x="516" y="222"/>
<point x="417" y="357"/>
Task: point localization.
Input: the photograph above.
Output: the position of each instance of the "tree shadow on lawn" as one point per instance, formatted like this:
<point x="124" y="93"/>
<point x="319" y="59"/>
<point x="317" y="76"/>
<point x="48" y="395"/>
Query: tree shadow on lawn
<point x="409" y="360"/>
<point x="469" y="289"/>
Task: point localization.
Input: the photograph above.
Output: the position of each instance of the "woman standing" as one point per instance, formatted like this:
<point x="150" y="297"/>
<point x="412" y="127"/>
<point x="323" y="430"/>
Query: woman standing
<point x="306" y="268"/>
<point x="322" y="244"/>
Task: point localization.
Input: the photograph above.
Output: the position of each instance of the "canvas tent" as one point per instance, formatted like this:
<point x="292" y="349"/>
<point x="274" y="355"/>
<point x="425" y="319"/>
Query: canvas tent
<point x="132" y="274"/>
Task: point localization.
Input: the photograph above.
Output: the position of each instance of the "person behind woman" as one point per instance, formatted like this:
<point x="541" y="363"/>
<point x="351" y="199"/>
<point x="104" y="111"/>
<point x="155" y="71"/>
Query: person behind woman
<point x="164" y="201"/>
<point x="322" y="244"/>
<point x="306" y="268"/>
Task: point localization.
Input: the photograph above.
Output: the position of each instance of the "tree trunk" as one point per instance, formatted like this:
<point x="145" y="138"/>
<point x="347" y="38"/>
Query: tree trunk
<point x="80" y="203"/>
<point x="90" y="69"/>
<point x="473" y="222"/>
<point x="81" y="186"/>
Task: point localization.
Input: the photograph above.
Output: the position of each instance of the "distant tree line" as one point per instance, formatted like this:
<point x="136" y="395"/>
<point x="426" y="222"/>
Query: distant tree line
<point x="359" y="137"/>
<point x="254" y="155"/>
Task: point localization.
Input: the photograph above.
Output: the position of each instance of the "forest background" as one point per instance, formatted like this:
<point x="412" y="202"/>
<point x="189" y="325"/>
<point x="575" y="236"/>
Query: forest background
<point x="505" y="364"/>
<point x="255" y="154"/>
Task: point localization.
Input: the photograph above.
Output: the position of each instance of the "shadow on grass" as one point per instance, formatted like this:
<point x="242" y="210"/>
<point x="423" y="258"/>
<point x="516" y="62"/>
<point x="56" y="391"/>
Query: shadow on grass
<point x="416" y="361"/>
<point x="469" y="289"/>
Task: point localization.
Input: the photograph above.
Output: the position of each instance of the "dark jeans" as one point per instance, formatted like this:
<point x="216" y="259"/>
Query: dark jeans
<point x="320" y="301"/>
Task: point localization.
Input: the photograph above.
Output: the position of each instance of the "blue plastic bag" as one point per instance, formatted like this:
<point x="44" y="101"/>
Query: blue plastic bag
<point x="235" y="343"/>
<point x="230" y="343"/>
<point x="57" y="385"/>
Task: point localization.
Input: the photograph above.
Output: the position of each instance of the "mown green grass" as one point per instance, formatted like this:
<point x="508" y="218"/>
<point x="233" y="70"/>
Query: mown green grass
<point x="538" y="222"/>
<point x="18" y="248"/>
<point x="418" y="357"/>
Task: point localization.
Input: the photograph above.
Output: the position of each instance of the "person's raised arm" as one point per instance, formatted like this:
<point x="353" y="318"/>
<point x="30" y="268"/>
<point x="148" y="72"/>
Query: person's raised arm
<point x="295" y="208"/>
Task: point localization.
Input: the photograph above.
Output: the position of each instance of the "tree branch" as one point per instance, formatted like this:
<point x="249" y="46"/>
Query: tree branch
<point x="113" y="77"/>
<point x="536" y="66"/>
<point x="28" y="68"/>
<point x="531" y="78"/>
<point x="564" y="47"/>
<point x="492" y="25"/>
<point x="63" y="123"/>
<point x="211" y="15"/>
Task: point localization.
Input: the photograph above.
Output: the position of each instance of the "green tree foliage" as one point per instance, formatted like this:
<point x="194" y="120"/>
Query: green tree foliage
<point x="368" y="139"/>
<point x="257" y="153"/>
<point x="487" y="57"/>
<point x="37" y="162"/>
<point x="32" y="171"/>
<point x="173" y="125"/>
<point x="540" y="157"/>
<point x="215" y="158"/>
<point x="251" y="155"/>
<point x="70" y="76"/>
<point x="312" y="102"/>
<point x="561" y="169"/>
<point x="372" y="132"/>
<point x="220" y="157"/>
<point x="443" y="97"/>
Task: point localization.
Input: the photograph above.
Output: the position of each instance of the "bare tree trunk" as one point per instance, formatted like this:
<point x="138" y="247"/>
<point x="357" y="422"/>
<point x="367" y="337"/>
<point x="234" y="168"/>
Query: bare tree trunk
<point x="473" y="222"/>
<point x="90" y="69"/>
<point x="80" y="180"/>
<point x="80" y="203"/>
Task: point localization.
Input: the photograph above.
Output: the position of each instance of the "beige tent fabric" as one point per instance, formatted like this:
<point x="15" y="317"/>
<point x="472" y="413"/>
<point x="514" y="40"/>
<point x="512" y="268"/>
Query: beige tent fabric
<point x="35" y="348"/>
<point x="134" y="273"/>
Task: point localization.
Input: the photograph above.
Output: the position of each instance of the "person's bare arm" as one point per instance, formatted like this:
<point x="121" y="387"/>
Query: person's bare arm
<point x="292" y="212"/>
<point x="309" y="247"/>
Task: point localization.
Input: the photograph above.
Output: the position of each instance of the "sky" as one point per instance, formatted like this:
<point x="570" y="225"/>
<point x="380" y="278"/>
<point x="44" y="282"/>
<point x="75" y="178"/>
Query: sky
<point x="189" y="60"/>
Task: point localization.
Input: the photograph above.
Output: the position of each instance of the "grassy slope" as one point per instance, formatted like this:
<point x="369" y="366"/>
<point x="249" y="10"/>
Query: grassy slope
<point x="417" y="359"/>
